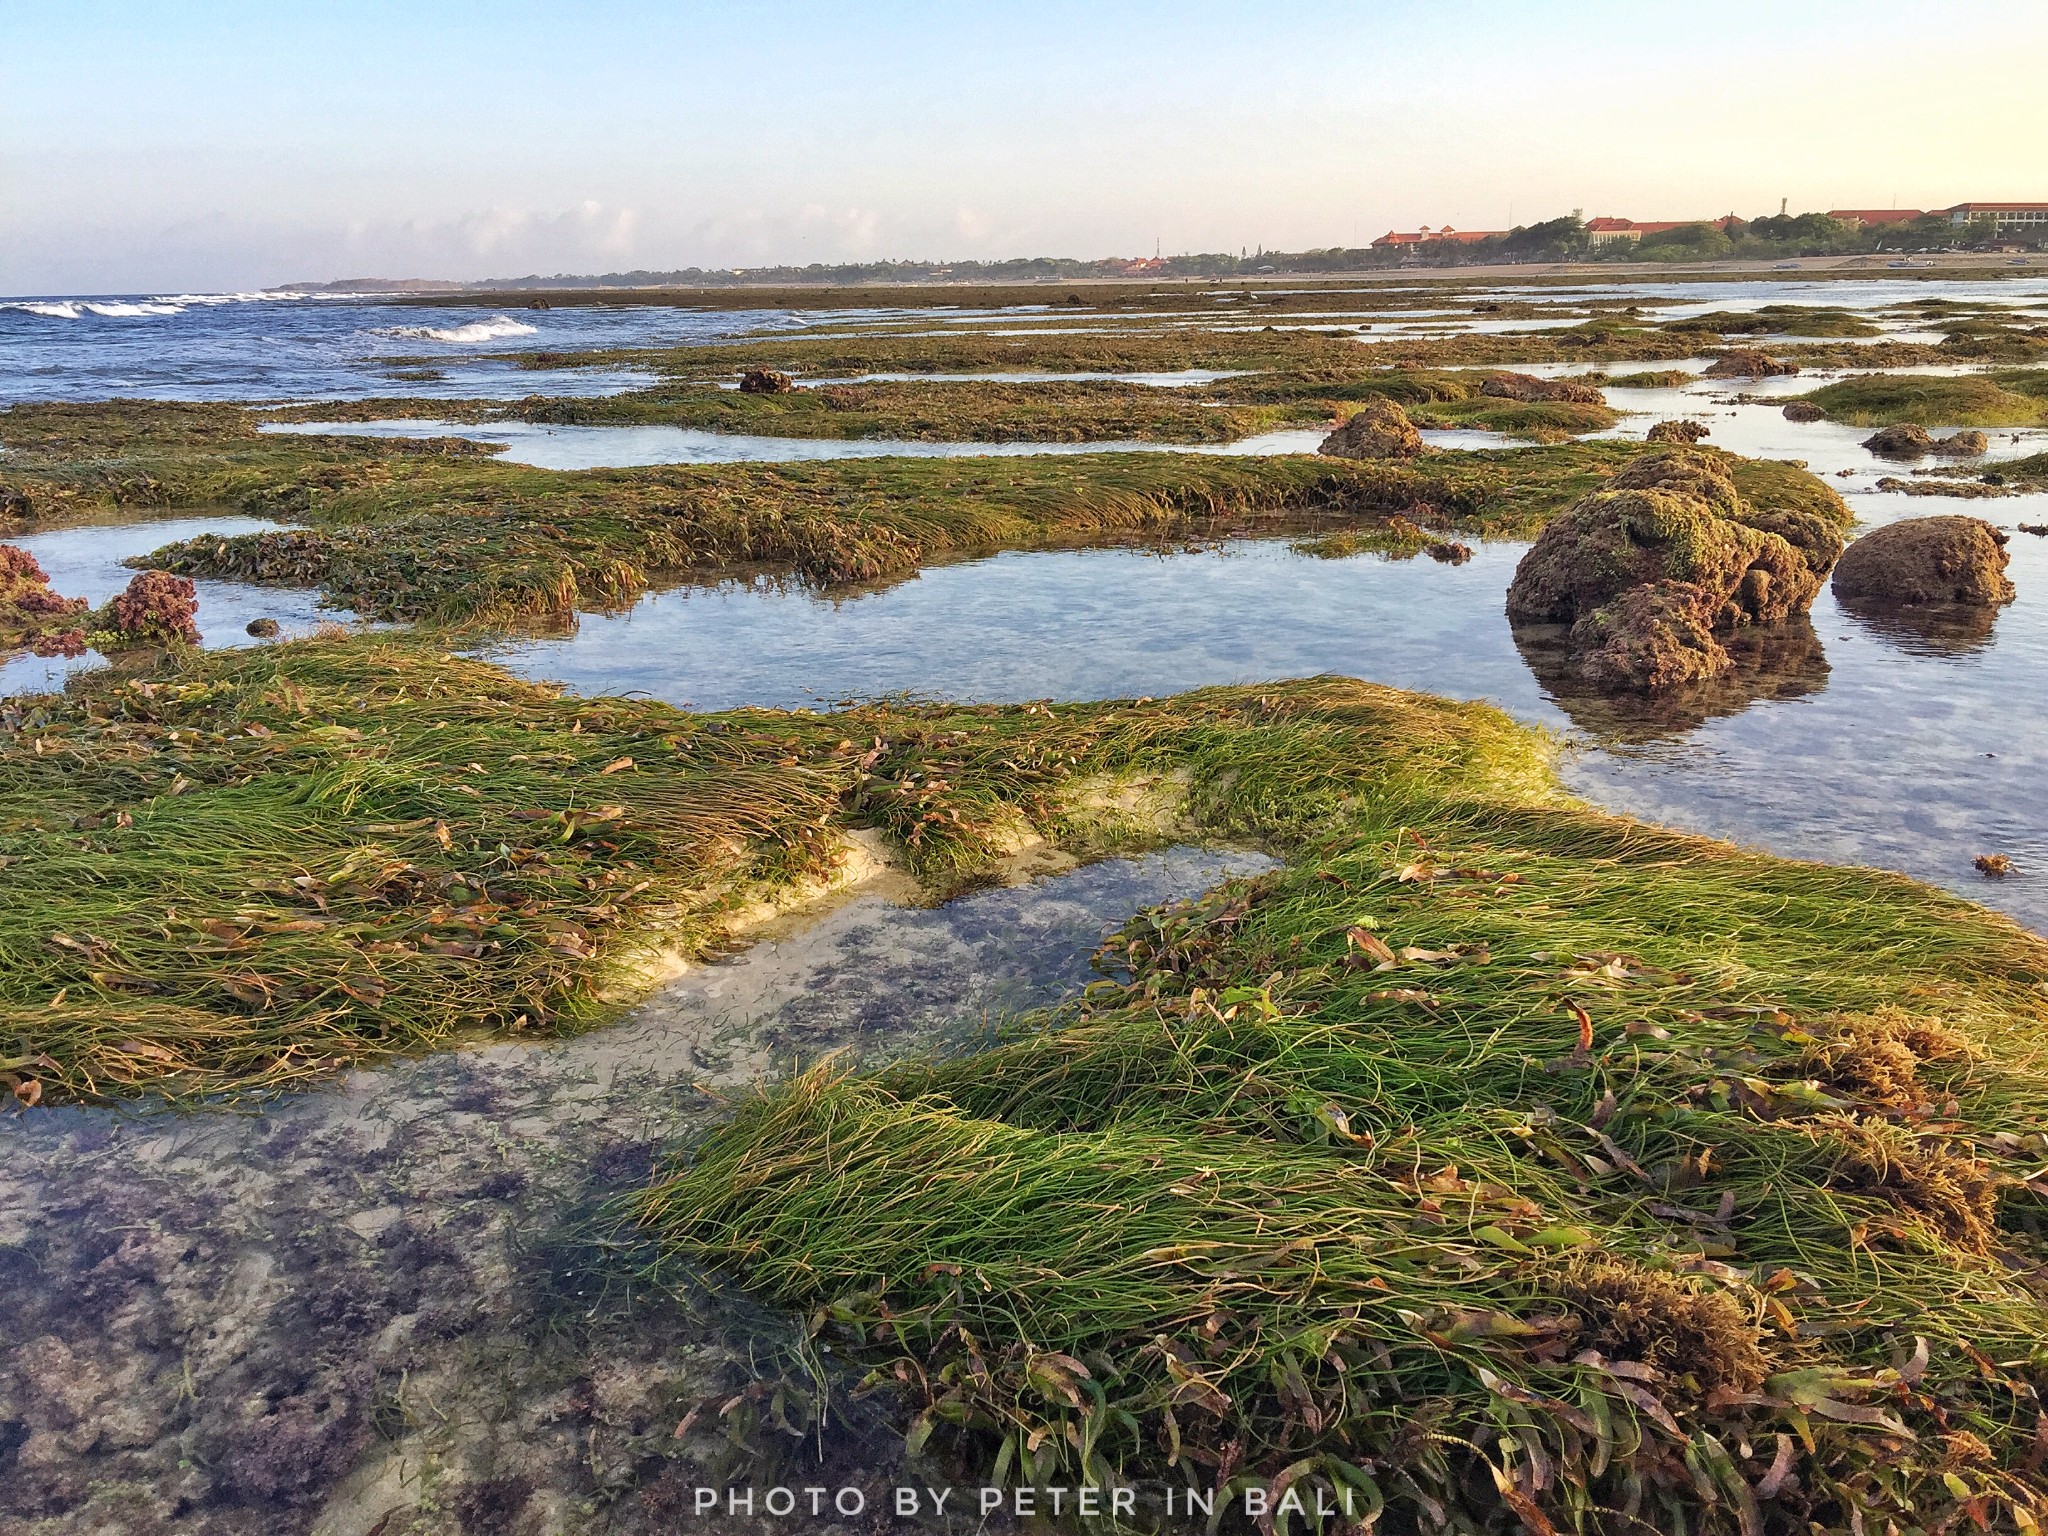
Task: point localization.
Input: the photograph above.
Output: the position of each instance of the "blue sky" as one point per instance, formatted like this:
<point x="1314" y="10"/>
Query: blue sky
<point x="227" y="145"/>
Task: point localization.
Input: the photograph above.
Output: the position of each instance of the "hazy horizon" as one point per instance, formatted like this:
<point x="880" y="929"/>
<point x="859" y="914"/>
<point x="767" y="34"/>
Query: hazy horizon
<point x="162" y="147"/>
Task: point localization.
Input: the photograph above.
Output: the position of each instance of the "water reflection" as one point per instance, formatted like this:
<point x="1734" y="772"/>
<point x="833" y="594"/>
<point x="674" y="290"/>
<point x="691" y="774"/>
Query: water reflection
<point x="1778" y="661"/>
<point x="1926" y="629"/>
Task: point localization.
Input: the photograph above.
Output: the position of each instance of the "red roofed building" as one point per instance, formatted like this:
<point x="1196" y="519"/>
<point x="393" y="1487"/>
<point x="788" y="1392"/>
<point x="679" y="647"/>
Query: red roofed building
<point x="1605" y="231"/>
<point x="1864" y="217"/>
<point x="1426" y="236"/>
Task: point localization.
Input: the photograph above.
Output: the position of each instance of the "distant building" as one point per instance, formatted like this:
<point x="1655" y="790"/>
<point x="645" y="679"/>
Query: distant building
<point x="2029" y="217"/>
<point x="1426" y="236"/>
<point x="1864" y="218"/>
<point x="1606" y="231"/>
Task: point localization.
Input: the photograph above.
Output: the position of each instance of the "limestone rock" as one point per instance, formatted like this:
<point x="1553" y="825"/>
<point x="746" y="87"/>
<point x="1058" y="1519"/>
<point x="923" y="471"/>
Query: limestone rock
<point x="1903" y="441"/>
<point x="1523" y="386"/>
<point x="1927" y="560"/>
<point x="1381" y="431"/>
<point x="1749" y="363"/>
<point x="1653" y="636"/>
<point x="1671" y="536"/>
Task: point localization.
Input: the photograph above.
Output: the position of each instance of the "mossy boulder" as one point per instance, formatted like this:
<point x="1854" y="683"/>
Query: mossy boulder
<point x="1527" y="387"/>
<point x="1749" y="363"/>
<point x="766" y="381"/>
<point x="1908" y="441"/>
<point x="1946" y="559"/>
<point x="1669" y="520"/>
<point x="1381" y="431"/>
<point x="1687" y="432"/>
<point x="1653" y="636"/>
<point x="1803" y="410"/>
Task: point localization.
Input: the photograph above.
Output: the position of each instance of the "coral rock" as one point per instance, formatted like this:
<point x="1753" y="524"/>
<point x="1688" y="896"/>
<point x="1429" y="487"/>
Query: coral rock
<point x="1904" y="441"/>
<point x="1523" y="386"/>
<point x="1652" y="636"/>
<point x="1748" y="363"/>
<point x="1671" y="535"/>
<point x="1381" y="431"/>
<point x="1962" y="445"/>
<point x="1927" y="560"/>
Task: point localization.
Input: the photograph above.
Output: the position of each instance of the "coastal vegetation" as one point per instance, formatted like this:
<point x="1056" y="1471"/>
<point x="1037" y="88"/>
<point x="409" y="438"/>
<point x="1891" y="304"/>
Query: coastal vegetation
<point x="2016" y="397"/>
<point x="1499" y="1162"/>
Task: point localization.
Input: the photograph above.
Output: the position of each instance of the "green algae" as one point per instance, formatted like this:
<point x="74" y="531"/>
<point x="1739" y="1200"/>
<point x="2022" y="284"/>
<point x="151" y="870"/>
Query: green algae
<point x="1499" y="1160"/>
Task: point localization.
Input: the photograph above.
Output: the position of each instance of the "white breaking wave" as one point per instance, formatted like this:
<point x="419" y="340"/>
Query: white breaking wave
<point x="131" y="309"/>
<point x="494" y="329"/>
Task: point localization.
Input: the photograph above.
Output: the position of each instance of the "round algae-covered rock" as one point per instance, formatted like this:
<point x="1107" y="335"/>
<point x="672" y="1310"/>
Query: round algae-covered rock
<point x="1927" y="560"/>
<point x="1677" y="432"/>
<point x="1963" y="445"/>
<point x="1803" y="410"/>
<point x="766" y="381"/>
<point x="1748" y="363"/>
<point x="1903" y="441"/>
<point x="1673" y="516"/>
<point x="1381" y="431"/>
<point x="1653" y="636"/>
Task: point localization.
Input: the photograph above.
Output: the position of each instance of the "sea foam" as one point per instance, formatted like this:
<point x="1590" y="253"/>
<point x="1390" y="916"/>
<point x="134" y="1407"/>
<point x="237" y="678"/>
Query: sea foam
<point x="497" y="328"/>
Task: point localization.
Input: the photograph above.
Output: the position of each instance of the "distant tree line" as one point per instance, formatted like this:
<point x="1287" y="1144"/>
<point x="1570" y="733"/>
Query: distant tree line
<point x="1562" y="239"/>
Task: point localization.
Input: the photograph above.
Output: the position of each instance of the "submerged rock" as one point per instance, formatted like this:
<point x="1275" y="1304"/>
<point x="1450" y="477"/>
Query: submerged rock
<point x="1902" y="441"/>
<point x="1749" y="363"/>
<point x="1907" y="441"/>
<point x="1381" y="431"/>
<point x="1652" y="636"/>
<point x="1927" y="560"/>
<point x="1677" y="432"/>
<point x="1803" y="410"/>
<point x="1524" y="386"/>
<point x="262" y="629"/>
<point x="1670" y="521"/>
<point x="766" y="381"/>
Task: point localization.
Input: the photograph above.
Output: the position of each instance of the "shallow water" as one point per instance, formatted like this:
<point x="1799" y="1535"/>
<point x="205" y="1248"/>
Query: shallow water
<point x="269" y="1321"/>
<point x="1861" y="742"/>
<point x="586" y="447"/>
<point x="90" y="562"/>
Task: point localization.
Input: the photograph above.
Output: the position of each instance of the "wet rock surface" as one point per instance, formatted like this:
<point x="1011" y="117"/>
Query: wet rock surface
<point x="1677" y="432"/>
<point x="1749" y="363"/>
<point x="1665" y="556"/>
<point x="1381" y="431"/>
<point x="1527" y="387"/>
<point x="394" y="1305"/>
<point x="766" y="381"/>
<point x="1907" y="441"/>
<point x="1803" y="410"/>
<point x="1959" y="560"/>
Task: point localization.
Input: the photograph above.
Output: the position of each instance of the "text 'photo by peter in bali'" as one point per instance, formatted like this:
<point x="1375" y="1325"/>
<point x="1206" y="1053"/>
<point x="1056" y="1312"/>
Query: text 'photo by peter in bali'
<point x="1141" y="771"/>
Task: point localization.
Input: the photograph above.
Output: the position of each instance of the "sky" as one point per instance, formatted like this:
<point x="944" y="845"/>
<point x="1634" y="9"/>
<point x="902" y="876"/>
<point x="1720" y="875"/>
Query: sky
<point x="224" y="146"/>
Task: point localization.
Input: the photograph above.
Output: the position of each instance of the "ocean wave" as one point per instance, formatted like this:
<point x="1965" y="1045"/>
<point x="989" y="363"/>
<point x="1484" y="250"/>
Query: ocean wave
<point x="138" y="308"/>
<point x="496" y="328"/>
